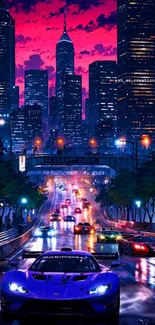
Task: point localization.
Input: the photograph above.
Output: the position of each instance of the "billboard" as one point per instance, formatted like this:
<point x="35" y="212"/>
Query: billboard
<point x="22" y="163"/>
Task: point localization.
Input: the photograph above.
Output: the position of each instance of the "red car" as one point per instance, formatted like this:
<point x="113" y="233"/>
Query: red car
<point x="55" y="217"/>
<point x="77" y="210"/>
<point x="85" y="206"/>
<point x="64" y="206"/>
<point x="68" y="201"/>
<point x="84" y="228"/>
<point x="137" y="245"/>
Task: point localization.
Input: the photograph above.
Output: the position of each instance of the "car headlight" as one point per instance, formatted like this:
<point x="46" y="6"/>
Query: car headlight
<point x="100" y="289"/>
<point x="51" y="233"/>
<point x="14" y="287"/>
<point x="119" y="237"/>
<point x="102" y="236"/>
<point x="38" y="232"/>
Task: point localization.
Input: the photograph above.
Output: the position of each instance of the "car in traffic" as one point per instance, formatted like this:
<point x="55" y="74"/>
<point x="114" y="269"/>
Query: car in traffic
<point x="55" y="217"/>
<point x="70" y="218"/>
<point x="85" y="207"/>
<point x="77" y="210"/>
<point x="51" y="286"/>
<point x="68" y="201"/>
<point x="107" y="236"/>
<point x="45" y="232"/>
<point x="64" y="206"/>
<point x="57" y="210"/>
<point x="141" y="245"/>
<point x="84" y="228"/>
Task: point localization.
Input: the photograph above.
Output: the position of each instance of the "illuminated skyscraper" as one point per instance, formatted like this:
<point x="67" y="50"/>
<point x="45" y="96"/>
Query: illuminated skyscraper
<point x="136" y="67"/>
<point x="102" y="94"/>
<point x="64" y="64"/>
<point x="7" y="68"/>
<point x="72" y="103"/>
<point x="36" y="92"/>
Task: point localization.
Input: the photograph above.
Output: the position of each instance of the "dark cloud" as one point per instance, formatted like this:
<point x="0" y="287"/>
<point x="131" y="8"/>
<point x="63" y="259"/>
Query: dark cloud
<point x="109" y="21"/>
<point x="80" y="70"/>
<point x="21" y="39"/>
<point x="34" y="62"/>
<point x="99" y="49"/>
<point x="101" y="22"/>
<point x="19" y="71"/>
<point x="84" y="5"/>
<point x="51" y="72"/>
<point x="25" y="5"/>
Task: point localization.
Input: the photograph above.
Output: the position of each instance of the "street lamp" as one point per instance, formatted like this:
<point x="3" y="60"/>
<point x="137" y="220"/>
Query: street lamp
<point x="24" y="200"/>
<point x="93" y="143"/>
<point x="60" y="142"/>
<point x="138" y="203"/>
<point x="2" y="123"/>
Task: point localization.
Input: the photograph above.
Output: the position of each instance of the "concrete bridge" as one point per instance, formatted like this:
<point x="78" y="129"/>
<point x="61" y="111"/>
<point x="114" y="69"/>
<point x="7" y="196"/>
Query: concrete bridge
<point x="53" y="162"/>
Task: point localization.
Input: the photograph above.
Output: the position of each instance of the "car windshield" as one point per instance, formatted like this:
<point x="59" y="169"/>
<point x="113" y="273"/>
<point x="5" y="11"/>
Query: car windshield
<point x="65" y="264"/>
<point x="144" y="239"/>
<point x="83" y="224"/>
<point x="45" y="228"/>
<point x="110" y="233"/>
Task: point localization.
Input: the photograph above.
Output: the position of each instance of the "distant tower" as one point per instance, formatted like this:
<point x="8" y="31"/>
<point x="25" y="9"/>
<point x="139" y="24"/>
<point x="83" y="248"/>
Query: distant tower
<point x="64" y="65"/>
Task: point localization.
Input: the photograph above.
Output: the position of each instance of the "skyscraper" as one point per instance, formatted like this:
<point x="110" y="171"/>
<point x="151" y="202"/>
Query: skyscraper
<point x="36" y="92"/>
<point x="64" y="64"/>
<point x="7" y="68"/>
<point x="53" y="116"/>
<point x="33" y="123"/>
<point x="136" y="67"/>
<point x="18" y="130"/>
<point x="72" y="103"/>
<point x="102" y="93"/>
<point x="15" y="97"/>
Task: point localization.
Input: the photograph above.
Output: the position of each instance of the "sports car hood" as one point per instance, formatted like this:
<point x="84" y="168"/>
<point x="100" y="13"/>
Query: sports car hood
<point x="59" y="285"/>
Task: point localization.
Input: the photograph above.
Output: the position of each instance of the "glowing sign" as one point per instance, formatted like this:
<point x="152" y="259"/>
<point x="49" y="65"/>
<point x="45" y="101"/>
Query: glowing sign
<point x="22" y="163"/>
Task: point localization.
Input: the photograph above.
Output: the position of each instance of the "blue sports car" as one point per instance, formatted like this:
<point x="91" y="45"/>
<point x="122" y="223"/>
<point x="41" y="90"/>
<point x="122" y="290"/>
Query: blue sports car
<point x="65" y="282"/>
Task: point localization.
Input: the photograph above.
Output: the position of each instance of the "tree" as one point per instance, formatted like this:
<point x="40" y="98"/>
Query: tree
<point x="14" y="186"/>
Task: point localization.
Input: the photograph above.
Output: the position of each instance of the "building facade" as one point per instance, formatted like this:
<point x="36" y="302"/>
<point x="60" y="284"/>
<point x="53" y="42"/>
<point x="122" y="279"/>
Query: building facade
<point x="36" y="92"/>
<point x="15" y="98"/>
<point x="136" y="68"/>
<point x="33" y="124"/>
<point x="7" y="69"/>
<point x="72" y="104"/>
<point x="102" y="95"/>
<point x="53" y="114"/>
<point x="64" y="65"/>
<point x="18" y="130"/>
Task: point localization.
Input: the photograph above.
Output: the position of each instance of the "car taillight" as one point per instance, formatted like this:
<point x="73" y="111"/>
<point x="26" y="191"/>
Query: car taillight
<point x="77" y="228"/>
<point x="140" y="247"/>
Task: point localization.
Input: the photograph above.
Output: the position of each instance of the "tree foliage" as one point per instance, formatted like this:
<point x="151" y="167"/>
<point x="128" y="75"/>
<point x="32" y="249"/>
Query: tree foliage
<point x="129" y="186"/>
<point x="14" y="186"/>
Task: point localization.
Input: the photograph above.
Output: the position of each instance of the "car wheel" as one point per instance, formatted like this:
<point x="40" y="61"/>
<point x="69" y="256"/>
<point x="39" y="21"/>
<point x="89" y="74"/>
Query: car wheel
<point x="121" y="250"/>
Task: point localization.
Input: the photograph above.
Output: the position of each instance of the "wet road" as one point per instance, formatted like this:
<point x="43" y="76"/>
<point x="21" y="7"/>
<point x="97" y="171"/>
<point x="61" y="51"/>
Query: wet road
<point x="137" y="274"/>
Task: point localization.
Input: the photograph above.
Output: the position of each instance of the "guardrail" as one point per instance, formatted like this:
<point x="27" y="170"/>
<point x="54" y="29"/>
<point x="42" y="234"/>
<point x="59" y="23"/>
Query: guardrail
<point x="12" y="245"/>
<point x="8" y="234"/>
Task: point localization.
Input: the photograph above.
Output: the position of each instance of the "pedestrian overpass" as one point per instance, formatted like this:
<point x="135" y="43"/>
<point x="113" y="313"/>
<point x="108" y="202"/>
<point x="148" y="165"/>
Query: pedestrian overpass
<point x="95" y="163"/>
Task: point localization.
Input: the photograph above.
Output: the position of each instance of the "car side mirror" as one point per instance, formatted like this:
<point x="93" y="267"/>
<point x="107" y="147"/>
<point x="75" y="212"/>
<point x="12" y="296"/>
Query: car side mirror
<point x="14" y="264"/>
<point x="114" y="264"/>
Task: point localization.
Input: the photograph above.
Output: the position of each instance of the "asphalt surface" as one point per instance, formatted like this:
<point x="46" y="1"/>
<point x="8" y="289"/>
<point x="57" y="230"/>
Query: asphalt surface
<point x="137" y="274"/>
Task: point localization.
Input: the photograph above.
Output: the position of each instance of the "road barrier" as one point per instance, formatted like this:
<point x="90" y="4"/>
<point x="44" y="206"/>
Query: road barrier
<point x="7" y="235"/>
<point x="11" y="245"/>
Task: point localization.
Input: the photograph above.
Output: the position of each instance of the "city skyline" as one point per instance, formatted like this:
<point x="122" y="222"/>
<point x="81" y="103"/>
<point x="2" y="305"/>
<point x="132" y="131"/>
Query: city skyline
<point x="39" y="27"/>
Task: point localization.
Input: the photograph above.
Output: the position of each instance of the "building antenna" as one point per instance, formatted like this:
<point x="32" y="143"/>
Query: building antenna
<point x="65" y="17"/>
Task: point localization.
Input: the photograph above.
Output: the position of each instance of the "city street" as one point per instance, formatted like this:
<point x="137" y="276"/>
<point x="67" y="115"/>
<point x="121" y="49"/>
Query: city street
<point x="137" y="274"/>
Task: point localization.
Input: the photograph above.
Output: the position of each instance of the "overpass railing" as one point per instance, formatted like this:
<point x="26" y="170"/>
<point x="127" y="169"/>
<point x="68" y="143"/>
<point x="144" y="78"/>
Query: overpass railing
<point x="7" y="235"/>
